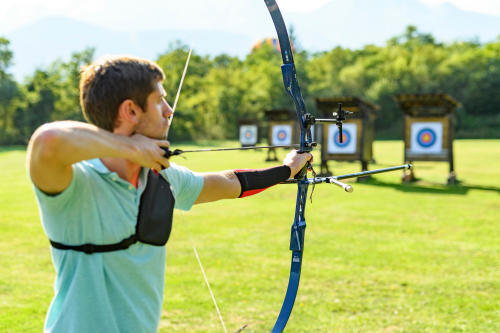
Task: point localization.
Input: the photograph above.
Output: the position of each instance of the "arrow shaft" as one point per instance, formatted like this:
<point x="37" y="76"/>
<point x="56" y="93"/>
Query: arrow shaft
<point x="238" y="148"/>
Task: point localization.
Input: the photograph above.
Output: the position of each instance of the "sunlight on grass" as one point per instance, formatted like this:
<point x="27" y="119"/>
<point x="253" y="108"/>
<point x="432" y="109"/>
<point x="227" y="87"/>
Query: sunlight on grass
<point x="390" y="257"/>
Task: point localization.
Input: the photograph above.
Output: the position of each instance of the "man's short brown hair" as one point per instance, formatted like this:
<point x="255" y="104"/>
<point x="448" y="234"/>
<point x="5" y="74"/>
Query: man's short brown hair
<point x="105" y="85"/>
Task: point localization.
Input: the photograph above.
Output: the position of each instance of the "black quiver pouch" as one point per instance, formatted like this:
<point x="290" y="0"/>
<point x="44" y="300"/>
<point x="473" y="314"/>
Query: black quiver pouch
<point x="156" y="209"/>
<point x="154" y="220"/>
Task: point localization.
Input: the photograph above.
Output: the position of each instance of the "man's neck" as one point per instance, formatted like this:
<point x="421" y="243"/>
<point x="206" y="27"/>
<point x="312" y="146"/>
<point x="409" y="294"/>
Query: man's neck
<point x="125" y="169"/>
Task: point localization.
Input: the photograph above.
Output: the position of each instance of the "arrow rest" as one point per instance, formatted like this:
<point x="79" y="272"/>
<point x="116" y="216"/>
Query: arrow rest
<point x="169" y="153"/>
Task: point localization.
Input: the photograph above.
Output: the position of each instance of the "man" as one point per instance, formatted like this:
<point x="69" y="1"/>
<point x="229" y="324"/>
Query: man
<point x="106" y="192"/>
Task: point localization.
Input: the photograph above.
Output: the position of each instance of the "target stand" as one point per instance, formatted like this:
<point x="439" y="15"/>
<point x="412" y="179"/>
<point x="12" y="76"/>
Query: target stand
<point x="428" y="130"/>
<point x="283" y="130"/>
<point x="357" y="135"/>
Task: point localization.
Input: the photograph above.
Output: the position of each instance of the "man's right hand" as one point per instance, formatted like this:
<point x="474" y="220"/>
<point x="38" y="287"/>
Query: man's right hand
<point x="148" y="152"/>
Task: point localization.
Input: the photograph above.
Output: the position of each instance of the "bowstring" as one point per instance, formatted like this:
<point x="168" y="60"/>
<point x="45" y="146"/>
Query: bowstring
<point x="179" y="91"/>
<point x="314" y="184"/>
<point x="182" y="214"/>
<point x="186" y="227"/>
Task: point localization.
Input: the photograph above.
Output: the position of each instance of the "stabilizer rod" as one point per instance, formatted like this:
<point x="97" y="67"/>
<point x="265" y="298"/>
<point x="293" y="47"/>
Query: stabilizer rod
<point x="346" y="187"/>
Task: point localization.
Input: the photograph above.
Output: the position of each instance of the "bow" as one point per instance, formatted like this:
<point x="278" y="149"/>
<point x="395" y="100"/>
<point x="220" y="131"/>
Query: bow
<point x="306" y="144"/>
<point x="305" y="121"/>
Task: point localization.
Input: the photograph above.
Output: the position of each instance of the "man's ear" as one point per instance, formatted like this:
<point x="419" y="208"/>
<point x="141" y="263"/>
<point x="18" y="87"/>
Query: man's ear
<point x="129" y="113"/>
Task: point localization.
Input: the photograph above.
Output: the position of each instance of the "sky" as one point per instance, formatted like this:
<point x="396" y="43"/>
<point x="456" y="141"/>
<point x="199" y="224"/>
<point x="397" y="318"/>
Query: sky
<point x="248" y="20"/>
<point x="155" y="14"/>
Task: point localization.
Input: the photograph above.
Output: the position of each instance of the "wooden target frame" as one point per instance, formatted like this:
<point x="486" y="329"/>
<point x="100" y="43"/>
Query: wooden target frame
<point x="277" y="117"/>
<point x="428" y="108"/>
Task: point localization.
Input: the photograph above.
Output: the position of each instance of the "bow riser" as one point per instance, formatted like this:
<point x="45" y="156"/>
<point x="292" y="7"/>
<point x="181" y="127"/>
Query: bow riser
<point x="292" y="88"/>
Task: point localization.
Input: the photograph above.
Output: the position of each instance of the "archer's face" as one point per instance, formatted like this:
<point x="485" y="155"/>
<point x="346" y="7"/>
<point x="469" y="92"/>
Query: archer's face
<point x="155" y="119"/>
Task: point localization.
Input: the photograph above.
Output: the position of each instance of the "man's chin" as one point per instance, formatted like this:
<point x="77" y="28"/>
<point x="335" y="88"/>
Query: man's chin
<point x="162" y="136"/>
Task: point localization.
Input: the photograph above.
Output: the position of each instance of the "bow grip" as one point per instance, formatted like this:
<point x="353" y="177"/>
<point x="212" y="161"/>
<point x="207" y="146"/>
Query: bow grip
<point x="303" y="172"/>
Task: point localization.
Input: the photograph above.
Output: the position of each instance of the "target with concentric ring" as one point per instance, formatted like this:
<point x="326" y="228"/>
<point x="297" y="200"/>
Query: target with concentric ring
<point x="281" y="135"/>
<point x="248" y="134"/>
<point x="426" y="137"/>
<point x="346" y="138"/>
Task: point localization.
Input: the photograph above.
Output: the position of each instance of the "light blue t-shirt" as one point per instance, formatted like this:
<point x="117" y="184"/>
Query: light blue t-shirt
<point x="120" y="291"/>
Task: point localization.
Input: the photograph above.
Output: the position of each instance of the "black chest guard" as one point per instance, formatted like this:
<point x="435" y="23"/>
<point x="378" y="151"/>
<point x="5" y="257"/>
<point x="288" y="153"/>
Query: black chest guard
<point x="154" y="220"/>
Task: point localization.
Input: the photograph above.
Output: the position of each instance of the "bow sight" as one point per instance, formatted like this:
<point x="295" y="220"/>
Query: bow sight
<point x="339" y="117"/>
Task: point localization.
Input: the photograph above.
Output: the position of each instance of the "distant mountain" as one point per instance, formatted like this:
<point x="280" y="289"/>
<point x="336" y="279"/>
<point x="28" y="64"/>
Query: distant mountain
<point x="351" y="24"/>
<point x="41" y="43"/>
<point x="355" y="23"/>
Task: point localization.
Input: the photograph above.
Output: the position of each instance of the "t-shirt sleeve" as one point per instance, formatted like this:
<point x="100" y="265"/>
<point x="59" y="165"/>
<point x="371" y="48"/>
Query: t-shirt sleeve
<point x="186" y="185"/>
<point x="52" y="205"/>
<point x="58" y="201"/>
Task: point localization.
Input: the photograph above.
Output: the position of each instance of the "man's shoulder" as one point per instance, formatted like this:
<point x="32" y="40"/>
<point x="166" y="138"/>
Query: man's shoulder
<point x="175" y="170"/>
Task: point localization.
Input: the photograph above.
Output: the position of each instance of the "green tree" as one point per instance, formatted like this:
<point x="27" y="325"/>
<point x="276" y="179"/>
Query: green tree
<point x="9" y="92"/>
<point x="67" y="79"/>
<point x="40" y="97"/>
<point x="6" y="56"/>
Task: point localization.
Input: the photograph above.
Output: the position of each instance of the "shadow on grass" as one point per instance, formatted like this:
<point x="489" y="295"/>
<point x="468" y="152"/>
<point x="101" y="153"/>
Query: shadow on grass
<point x="434" y="188"/>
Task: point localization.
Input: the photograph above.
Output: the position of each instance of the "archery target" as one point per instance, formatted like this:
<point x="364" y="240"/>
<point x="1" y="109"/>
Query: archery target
<point x="348" y="144"/>
<point x="427" y="137"/>
<point x="248" y="135"/>
<point x="282" y="135"/>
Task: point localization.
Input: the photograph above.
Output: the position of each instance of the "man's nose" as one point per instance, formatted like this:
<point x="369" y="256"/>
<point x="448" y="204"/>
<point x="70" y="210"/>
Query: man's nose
<point x="167" y="110"/>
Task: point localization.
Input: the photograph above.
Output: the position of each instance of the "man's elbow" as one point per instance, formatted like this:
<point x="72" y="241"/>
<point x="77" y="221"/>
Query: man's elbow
<point x="45" y="143"/>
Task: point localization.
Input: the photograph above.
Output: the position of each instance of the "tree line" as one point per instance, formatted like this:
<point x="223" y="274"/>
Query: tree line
<point x="220" y="90"/>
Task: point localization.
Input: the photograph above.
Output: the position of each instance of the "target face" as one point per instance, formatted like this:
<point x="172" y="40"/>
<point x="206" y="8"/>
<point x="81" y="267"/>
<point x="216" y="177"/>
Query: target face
<point x="346" y="138"/>
<point x="282" y="135"/>
<point x="248" y="134"/>
<point x="348" y="144"/>
<point x="427" y="137"/>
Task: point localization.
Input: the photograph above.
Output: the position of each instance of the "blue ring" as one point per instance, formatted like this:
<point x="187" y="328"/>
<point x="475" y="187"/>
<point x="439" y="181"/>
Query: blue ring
<point x="279" y="133"/>
<point x="422" y="135"/>
<point x="346" y="137"/>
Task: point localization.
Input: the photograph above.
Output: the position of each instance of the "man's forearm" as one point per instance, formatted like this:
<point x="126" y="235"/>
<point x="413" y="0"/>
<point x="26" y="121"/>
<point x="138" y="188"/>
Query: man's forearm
<point x="68" y="142"/>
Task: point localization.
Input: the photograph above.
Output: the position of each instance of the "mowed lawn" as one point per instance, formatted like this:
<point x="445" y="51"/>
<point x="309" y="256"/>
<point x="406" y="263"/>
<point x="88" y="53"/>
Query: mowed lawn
<point x="389" y="257"/>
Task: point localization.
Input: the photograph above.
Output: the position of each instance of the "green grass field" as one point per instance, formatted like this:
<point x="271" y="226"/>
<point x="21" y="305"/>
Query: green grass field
<point x="389" y="257"/>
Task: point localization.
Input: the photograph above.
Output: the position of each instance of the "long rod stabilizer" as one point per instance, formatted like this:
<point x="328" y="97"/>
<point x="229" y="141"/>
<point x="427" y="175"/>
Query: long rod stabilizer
<point x="335" y="179"/>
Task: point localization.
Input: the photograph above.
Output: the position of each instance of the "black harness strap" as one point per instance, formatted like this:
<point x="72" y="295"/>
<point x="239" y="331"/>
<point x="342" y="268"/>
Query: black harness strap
<point x="154" y="220"/>
<point x="93" y="248"/>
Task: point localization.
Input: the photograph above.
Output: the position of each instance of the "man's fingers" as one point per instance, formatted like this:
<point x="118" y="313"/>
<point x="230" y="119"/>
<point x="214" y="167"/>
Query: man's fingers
<point x="165" y="163"/>
<point x="163" y="143"/>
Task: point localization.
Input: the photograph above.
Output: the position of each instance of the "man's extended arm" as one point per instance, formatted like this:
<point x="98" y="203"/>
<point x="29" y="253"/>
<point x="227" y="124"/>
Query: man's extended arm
<point x="226" y="184"/>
